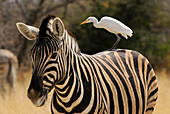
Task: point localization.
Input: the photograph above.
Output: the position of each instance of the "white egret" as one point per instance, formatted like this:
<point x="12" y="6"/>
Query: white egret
<point x="112" y="25"/>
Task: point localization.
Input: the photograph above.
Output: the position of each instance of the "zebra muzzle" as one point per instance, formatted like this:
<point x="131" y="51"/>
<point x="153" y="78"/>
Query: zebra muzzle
<point x="38" y="98"/>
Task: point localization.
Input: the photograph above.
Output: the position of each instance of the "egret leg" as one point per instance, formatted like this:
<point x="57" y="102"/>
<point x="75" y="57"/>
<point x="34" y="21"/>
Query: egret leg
<point x="116" y="43"/>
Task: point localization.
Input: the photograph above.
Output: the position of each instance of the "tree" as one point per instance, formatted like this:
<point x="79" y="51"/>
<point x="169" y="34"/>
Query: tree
<point x="142" y="16"/>
<point x="29" y="12"/>
<point x="148" y="19"/>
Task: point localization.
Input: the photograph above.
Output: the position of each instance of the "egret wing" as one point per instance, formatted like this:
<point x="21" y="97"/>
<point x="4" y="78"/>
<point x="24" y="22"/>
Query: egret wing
<point x="115" y="26"/>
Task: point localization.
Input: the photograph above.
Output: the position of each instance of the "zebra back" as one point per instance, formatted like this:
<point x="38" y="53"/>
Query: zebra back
<point x="134" y="66"/>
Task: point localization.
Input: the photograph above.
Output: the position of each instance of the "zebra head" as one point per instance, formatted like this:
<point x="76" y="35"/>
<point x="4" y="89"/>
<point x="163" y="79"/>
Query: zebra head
<point x="48" y="41"/>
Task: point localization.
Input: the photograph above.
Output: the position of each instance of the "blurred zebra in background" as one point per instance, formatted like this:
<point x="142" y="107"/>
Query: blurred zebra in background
<point x="8" y="69"/>
<point x="119" y="81"/>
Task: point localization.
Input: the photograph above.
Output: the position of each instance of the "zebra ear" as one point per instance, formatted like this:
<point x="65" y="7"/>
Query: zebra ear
<point x="58" y="27"/>
<point x="29" y="32"/>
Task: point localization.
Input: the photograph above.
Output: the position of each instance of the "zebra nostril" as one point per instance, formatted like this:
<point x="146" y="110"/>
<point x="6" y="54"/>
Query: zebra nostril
<point x="29" y="95"/>
<point x="40" y="94"/>
<point x="32" y="94"/>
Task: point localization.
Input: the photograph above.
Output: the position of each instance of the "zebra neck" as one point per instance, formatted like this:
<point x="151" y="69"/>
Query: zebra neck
<point x="69" y="70"/>
<point x="72" y="42"/>
<point x="70" y="89"/>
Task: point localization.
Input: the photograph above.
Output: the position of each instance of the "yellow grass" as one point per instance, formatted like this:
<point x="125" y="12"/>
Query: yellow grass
<point x="18" y="103"/>
<point x="163" y="103"/>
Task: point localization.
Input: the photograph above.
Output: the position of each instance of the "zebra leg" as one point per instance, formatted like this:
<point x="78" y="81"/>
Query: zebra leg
<point x="2" y="90"/>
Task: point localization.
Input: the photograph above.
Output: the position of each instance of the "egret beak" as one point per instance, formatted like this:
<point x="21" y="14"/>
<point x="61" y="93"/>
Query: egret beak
<point x="84" y="22"/>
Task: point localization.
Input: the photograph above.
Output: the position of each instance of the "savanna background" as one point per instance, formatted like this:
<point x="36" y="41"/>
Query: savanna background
<point x="149" y="19"/>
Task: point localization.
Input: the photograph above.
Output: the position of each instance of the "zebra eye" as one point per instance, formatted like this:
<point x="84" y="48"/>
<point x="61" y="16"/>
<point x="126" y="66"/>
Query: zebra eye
<point x="38" y="50"/>
<point x="53" y="56"/>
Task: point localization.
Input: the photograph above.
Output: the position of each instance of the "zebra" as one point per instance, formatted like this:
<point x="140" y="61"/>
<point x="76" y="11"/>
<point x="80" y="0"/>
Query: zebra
<point x="8" y="69"/>
<point x="117" y="81"/>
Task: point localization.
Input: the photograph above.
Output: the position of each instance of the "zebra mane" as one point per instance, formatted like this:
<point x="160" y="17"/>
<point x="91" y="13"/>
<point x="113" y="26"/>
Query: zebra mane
<point x="69" y="37"/>
<point x="71" y="41"/>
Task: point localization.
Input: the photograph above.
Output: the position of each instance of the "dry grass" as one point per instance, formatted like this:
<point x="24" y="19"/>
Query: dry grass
<point x="163" y="103"/>
<point x="18" y="103"/>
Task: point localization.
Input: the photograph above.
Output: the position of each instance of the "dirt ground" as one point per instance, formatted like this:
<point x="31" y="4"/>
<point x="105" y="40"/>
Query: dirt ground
<point x="18" y="103"/>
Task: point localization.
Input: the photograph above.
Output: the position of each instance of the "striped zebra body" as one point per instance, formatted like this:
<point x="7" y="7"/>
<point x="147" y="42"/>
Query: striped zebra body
<point x="119" y="81"/>
<point x="8" y="69"/>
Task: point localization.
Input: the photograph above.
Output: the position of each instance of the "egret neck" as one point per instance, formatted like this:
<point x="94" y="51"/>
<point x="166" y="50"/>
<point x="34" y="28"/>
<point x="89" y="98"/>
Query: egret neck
<point x="96" y="23"/>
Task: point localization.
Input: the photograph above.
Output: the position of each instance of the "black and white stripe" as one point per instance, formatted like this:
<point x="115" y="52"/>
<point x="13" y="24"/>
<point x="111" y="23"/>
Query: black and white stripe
<point x="120" y="81"/>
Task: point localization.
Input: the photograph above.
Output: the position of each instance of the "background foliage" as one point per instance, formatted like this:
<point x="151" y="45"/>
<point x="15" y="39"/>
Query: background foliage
<point x="149" y="19"/>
